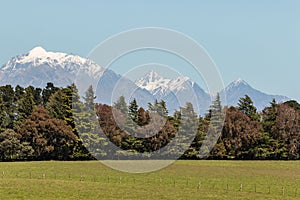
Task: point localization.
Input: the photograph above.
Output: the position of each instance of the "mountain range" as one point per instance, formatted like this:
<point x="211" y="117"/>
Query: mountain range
<point x="37" y="67"/>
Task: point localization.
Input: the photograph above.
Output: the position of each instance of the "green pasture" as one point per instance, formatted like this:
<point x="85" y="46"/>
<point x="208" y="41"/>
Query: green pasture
<point x="181" y="180"/>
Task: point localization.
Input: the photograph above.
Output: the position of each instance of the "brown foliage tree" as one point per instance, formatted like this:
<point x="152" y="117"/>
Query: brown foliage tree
<point x="240" y="135"/>
<point x="50" y="138"/>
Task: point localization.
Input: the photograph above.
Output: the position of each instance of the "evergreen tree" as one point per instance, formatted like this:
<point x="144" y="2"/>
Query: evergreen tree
<point x="133" y="110"/>
<point x="11" y="148"/>
<point x="56" y="105"/>
<point x="37" y="95"/>
<point x="47" y="92"/>
<point x="269" y="116"/>
<point x="25" y="106"/>
<point x="217" y="114"/>
<point x="88" y="126"/>
<point x="216" y="119"/>
<point x="246" y="105"/>
<point x="89" y="98"/>
<point x="80" y="125"/>
<point x="159" y="108"/>
<point x="59" y="105"/>
<point x="19" y="92"/>
<point x="4" y="119"/>
<point x="121" y="105"/>
<point x="7" y="93"/>
<point x="187" y="130"/>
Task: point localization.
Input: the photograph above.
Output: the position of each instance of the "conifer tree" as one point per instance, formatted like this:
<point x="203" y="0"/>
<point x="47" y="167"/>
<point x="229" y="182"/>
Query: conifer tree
<point x="7" y="93"/>
<point x="25" y="106"/>
<point x="121" y="105"/>
<point x="4" y="120"/>
<point x="133" y="110"/>
<point x="47" y="92"/>
<point x="89" y="98"/>
<point x="187" y="128"/>
<point x="88" y="126"/>
<point x="246" y="105"/>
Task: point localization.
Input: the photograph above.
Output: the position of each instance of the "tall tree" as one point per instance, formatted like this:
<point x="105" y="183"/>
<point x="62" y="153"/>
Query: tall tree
<point x="25" y="105"/>
<point x="47" y="92"/>
<point x="187" y="131"/>
<point x="133" y="110"/>
<point x="246" y="105"/>
<point x="4" y="118"/>
<point x="90" y="133"/>
<point x="269" y="116"/>
<point x="216" y="120"/>
<point x="159" y="108"/>
<point x="59" y="105"/>
<point x="7" y="93"/>
<point x="89" y="98"/>
<point x="121" y="105"/>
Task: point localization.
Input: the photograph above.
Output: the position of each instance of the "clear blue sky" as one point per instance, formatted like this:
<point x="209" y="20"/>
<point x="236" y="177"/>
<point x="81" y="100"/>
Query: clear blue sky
<point x="258" y="41"/>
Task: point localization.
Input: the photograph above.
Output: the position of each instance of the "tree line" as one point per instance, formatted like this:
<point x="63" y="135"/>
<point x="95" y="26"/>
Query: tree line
<point x="57" y="124"/>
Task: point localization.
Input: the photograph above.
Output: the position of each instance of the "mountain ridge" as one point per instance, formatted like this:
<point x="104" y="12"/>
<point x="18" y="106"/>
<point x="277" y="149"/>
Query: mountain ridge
<point x="38" y="66"/>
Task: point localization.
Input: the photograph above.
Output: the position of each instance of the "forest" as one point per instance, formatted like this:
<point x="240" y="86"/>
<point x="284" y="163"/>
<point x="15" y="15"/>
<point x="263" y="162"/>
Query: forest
<point x="57" y="124"/>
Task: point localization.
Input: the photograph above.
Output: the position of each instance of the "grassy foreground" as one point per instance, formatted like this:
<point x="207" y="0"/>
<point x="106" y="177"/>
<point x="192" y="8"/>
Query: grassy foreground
<point x="181" y="180"/>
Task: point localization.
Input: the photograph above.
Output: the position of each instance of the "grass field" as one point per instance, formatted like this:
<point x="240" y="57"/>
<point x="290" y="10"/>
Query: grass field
<point x="181" y="180"/>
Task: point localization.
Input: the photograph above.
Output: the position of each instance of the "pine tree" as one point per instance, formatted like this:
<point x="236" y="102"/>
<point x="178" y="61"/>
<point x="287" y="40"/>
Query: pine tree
<point x="89" y="98"/>
<point x="4" y="119"/>
<point x="56" y="105"/>
<point x="159" y="108"/>
<point x="133" y="110"/>
<point x="19" y="92"/>
<point x="7" y="93"/>
<point x="59" y="105"/>
<point x="216" y="112"/>
<point x="80" y="122"/>
<point x="47" y="92"/>
<point x="216" y="119"/>
<point x="88" y="126"/>
<point x="245" y="105"/>
<point x="187" y="129"/>
<point x="25" y="106"/>
<point x="36" y="95"/>
<point x="269" y="116"/>
<point x="121" y="105"/>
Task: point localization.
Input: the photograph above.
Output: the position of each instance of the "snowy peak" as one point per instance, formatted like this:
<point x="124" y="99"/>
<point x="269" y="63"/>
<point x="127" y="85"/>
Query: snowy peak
<point x="179" y="83"/>
<point x="38" y="66"/>
<point x="240" y="81"/>
<point x="38" y="56"/>
<point x="37" y="52"/>
<point x="152" y="81"/>
<point x="239" y="88"/>
<point x="176" y="91"/>
<point x="236" y="84"/>
<point x="152" y="76"/>
<point x="155" y="83"/>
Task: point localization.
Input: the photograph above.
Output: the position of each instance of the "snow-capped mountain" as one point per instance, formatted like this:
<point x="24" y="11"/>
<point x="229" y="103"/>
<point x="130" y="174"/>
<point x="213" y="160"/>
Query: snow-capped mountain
<point x="239" y="88"/>
<point x="176" y="92"/>
<point x="39" y="67"/>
